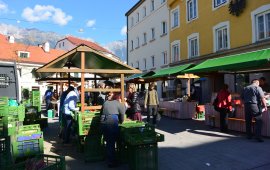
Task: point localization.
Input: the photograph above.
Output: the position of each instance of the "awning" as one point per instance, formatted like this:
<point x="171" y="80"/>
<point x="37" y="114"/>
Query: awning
<point x="169" y="71"/>
<point x="234" y="63"/>
<point x="138" y="77"/>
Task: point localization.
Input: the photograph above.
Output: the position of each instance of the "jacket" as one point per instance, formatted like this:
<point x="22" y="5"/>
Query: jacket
<point x="133" y="102"/>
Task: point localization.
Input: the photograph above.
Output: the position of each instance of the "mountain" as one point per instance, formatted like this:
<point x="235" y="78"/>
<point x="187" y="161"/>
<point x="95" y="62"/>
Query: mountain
<point x="34" y="36"/>
<point x="119" y="48"/>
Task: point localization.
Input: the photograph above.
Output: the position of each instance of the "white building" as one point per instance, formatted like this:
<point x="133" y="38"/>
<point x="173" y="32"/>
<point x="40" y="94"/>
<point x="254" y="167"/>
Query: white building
<point x="148" y="45"/>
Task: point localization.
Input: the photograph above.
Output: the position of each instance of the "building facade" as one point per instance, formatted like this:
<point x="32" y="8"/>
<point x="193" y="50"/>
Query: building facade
<point x="148" y="36"/>
<point x="200" y="30"/>
<point x="26" y="58"/>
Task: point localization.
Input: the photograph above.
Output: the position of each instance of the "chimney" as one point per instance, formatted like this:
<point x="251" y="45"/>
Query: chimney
<point x="46" y="47"/>
<point x="11" y="39"/>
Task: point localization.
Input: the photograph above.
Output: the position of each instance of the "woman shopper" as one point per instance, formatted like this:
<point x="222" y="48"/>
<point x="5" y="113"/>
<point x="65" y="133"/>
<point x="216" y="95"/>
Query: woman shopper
<point x="134" y="108"/>
<point x="112" y="114"/>
<point x="224" y="106"/>
<point x="151" y="103"/>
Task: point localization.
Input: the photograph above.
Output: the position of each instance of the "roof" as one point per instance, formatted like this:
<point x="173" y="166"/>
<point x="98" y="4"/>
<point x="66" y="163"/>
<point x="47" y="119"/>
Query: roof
<point x="78" y="41"/>
<point x="255" y="60"/>
<point x="169" y="71"/>
<point x="134" y="7"/>
<point x="95" y="63"/>
<point x="8" y="52"/>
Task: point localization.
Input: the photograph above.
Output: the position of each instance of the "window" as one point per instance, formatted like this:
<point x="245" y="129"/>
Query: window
<point x="144" y="63"/>
<point x="221" y="36"/>
<point x="192" y="10"/>
<point x="138" y="42"/>
<point x="218" y="3"/>
<point x="175" y="18"/>
<point x="144" y="11"/>
<point x="193" y="45"/>
<point x="260" y="18"/>
<point x="138" y="64"/>
<point x="132" y="47"/>
<point x="23" y="54"/>
<point x="152" y="34"/>
<point x="152" y="5"/>
<point x="263" y="26"/>
<point x="163" y="28"/>
<point x="144" y="38"/>
<point x="175" y="51"/>
<point x="138" y="17"/>
<point x="63" y="43"/>
<point x="59" y="45"/>
<point x="132" y="21"/>
<point x="153" y="61"/>
<point x="131" y="64"/>
<point x="162" y="1"/>
<point x="164" y="56"/>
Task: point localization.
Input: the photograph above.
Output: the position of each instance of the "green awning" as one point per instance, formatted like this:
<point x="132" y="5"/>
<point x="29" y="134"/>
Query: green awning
<point x="234" y="63"/>
<point x="139" y="76"/>
<point x="169" y="71"/>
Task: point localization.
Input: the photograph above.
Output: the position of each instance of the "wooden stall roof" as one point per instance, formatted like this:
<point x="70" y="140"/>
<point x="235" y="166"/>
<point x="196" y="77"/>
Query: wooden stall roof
<point x="95" y="63"/>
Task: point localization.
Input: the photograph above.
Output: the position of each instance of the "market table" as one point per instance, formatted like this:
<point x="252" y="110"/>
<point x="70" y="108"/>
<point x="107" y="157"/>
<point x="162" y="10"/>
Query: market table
<point x="179" y="110"/>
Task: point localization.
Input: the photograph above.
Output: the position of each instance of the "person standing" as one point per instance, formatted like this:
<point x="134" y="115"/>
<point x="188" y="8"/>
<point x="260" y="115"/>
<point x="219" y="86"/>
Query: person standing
<point x="224" y="107"/>
<point x="264" y="85"/>
<point x="112" y="114"/>
<point x="151" y="103"/>
<point x="48" y="98"/>
<point x="255" y="104"/>
<point x="134" y="110"/>
<point x="70" y="103"/>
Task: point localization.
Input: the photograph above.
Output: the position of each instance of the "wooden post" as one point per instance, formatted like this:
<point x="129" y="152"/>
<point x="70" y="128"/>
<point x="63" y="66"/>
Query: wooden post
<point x="122" y="88"/>
<point x="188" y="86"/>
<point x="82" y="80"/>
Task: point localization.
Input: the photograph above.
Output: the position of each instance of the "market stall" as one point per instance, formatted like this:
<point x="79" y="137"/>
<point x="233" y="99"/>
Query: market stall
<point x="240" y="64"/>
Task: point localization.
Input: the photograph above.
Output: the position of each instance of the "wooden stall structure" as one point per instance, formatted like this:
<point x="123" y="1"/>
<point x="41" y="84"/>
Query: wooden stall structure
<point x="84" y="59"/>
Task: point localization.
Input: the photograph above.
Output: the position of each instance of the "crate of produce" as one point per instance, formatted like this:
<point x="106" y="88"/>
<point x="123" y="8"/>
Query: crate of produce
<point x="3" y="101"/>
<point x="24" y="146"/>
<point x="17" y="112"/>
<point x="42" y="162"/>
<point x="88" y="124"/>
<point x="3" y="110"/>
<point x="29" y="129"/>
<point x="143" y="157"/>
<point x="143" y="138"/>
<point x="94" y="148"/>
<point x="7" y="126"/>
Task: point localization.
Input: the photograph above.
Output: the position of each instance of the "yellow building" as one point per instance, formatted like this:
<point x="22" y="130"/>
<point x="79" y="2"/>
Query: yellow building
<point x="202" y="29"/>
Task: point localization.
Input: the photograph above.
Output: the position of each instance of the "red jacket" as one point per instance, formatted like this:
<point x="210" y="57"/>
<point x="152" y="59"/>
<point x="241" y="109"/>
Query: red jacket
<point x="224" y="99"/>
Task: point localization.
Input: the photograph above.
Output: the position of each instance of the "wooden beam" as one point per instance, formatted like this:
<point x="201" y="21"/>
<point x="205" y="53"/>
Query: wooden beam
<point x="122" y="88"/>
<point x="102" y="90"/>
<point x="106" y="71"/>
<point x="84" y="49"/>
<point x="82" y="80"/>
<point x="93" y="107"/>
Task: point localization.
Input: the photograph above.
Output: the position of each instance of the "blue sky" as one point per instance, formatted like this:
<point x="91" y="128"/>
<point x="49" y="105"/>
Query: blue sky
<point x="100" y="21"/>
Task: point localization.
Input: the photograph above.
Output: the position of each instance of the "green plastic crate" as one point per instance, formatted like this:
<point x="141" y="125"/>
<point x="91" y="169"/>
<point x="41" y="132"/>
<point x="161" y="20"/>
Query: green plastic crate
<point x="94" y="148"/>
<point x="88" y="124"/>
<point x="49" y="162"/>
<point x="143" y="157"/>
<point x="143" y="138"/>
<point x="3" y="110"/>
<point x="8" y="126"/>
<point x="24" y="146"/>
<point x="3" y="101"/>
<point x="29" y="129"/>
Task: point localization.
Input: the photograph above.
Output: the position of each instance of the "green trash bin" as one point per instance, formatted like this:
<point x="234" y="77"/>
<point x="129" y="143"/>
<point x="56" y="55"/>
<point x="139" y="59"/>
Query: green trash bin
<point x="50" y="113"/>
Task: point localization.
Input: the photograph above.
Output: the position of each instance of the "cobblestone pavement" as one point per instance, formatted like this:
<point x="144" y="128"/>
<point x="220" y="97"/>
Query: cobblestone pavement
<point x="189" y="144"/>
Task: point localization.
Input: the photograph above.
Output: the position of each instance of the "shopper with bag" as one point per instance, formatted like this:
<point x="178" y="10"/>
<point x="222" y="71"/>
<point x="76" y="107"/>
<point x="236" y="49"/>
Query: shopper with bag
<point x="151" y="103"/>
<point x="134" y="109"/>
<point x="224" y="107"/>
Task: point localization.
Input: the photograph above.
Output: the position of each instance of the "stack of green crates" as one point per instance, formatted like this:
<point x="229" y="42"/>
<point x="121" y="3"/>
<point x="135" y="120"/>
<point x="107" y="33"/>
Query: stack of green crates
<point x="139" y="142"/>
<point x="88" y="123"/>
<point x="35" y="98"/>
<point x="27" y="142"/>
